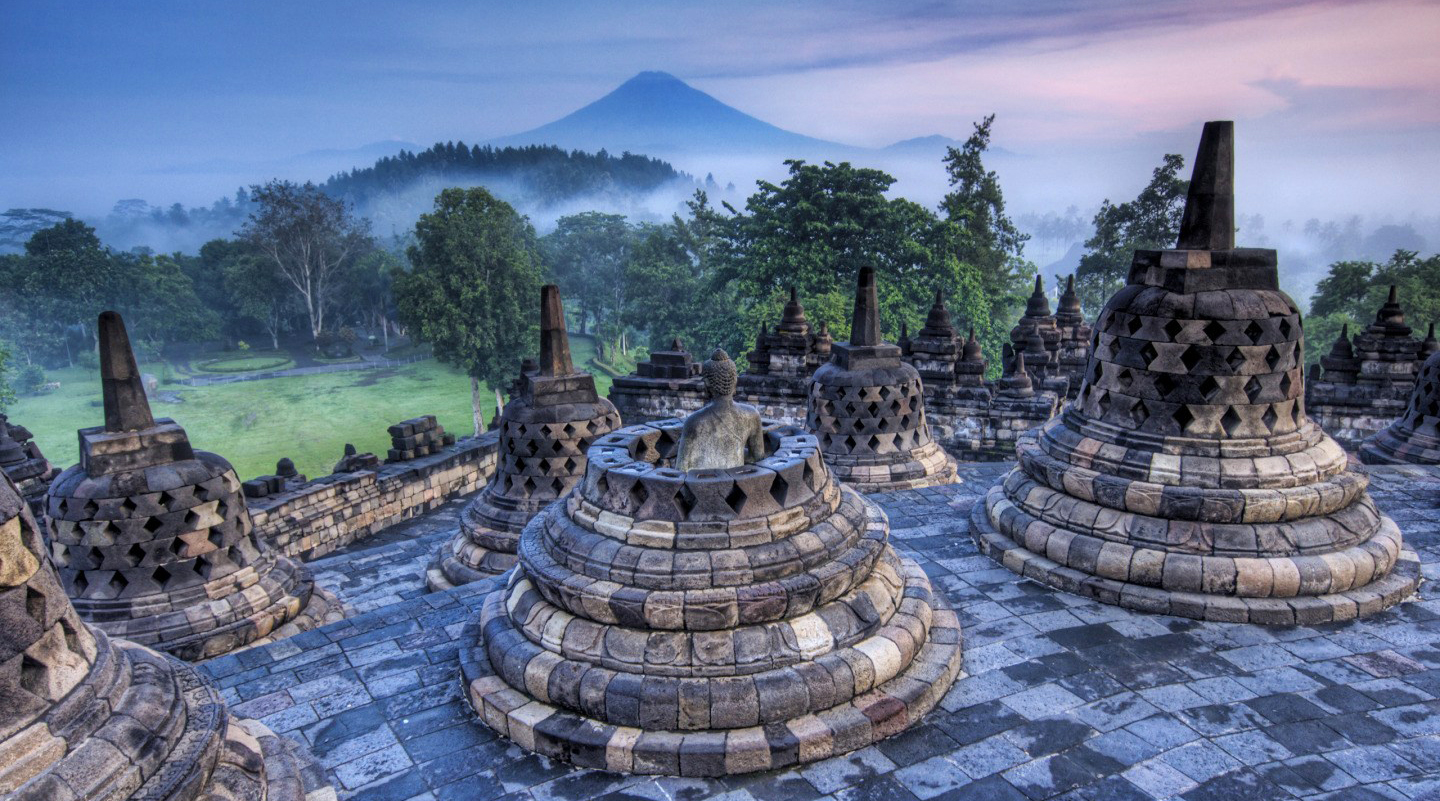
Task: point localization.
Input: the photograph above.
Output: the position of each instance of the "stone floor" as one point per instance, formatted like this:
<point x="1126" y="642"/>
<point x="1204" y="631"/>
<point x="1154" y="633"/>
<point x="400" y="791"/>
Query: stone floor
<point x="1062" y="698"/>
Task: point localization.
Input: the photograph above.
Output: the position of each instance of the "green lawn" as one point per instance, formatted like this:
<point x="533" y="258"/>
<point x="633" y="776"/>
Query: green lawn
<point x="254" y="423"/>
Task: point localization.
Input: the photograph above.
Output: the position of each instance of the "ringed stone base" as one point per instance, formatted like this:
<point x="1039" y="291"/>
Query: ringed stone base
<point x="791" y="721"/>
<point x="1030" y="555"/>
<point x="480" y="550"/>
<point x="926" y="466"/>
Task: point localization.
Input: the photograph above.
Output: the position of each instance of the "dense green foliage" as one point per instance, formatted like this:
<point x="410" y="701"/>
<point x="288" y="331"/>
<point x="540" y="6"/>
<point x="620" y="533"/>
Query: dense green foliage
<point x="1352" y="291"/>
<point x="65" y="278"/>
<point x="715" y="276"/>
<point x="7" y="390"/>
<point x="538" y="174"/>
<point x="1150" y="221"/>
<point x="474" y="286"/>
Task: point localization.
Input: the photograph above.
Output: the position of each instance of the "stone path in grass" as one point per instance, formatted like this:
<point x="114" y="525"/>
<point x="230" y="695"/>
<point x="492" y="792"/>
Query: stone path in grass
<point x="1062" y="697"/>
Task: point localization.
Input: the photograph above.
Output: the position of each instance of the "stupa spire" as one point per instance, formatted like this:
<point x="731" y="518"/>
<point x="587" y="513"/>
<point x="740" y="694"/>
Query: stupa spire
<point x="554" y="342"/>
<point x="126" y="407"/>
<point x="865" y="326"/>
<point x="1209" y="219"/>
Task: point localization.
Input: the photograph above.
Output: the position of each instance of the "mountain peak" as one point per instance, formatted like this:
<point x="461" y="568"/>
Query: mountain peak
<point x="658" y="114"/>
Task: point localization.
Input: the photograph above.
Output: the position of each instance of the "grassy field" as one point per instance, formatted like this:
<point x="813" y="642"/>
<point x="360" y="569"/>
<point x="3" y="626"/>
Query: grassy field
<point x="254" y="423"/>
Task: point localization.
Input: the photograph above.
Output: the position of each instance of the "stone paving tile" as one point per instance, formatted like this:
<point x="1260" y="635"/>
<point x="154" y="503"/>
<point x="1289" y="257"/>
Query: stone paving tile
<point x="1062" y="698"/>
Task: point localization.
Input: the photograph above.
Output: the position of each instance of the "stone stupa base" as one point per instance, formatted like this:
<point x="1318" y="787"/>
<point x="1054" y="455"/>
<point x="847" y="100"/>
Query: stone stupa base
<point x="253" y="610"/>
<point x="198" y="751"/>
<point x="926" y="466"/>
<point x="1387" y="449"/>
<point x="1031" y="548"/>
<point x="480" y="549"/>
<point x="550" y="717"/>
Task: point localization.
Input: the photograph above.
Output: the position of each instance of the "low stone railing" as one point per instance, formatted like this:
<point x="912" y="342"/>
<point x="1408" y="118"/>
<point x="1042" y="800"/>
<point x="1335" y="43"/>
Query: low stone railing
<point x="321" y="516"/>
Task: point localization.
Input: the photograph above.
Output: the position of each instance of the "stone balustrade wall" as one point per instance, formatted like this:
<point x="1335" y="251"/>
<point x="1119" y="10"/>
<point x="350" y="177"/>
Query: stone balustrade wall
<point x="327" y="514"/>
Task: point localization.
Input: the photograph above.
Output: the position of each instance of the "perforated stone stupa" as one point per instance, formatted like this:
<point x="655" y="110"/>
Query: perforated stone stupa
<point x="22" y="461"/>
<point x="708" y="622"/>
<point x="153" y="539"/>
<point x="544" y="434"/>
<point x="1364" y="382"/>
<point x="1186" y="478"/>
<point x="84" y="716"/>
<point x="1415" y="437"/>
<point x="867" y="407"/>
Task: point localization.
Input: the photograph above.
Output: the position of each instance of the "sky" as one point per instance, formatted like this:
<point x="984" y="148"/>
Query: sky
<point x="1337" y="104"/>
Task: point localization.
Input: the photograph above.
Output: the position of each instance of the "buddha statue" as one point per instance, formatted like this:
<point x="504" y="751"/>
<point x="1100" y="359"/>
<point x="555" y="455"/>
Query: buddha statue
<point x="722" y="433"/>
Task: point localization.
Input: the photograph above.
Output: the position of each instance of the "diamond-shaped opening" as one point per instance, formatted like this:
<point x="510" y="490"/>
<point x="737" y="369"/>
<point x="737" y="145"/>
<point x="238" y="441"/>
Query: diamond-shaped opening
<point x="1209" y="388"/>
<point x="154" y="524"/>
<point x="527" y="487"/>
<point x="1230" y="421"/>
<point x="1285" y="328"/>
<point x="638" y="495"/>
<point x="80" y="583"/>
<point x="192" y="520"/>
<point x="161" y="575"/>
<point x="883" y="424"/>
<point x="874" y="443"/>
<point x="128" y="507"/>
<point x="135" y="555"/>
<point x="1164" y="384"/>
<point x="1182" y="417"/>
<point x="33" y="674"/>
<point x="685" y="499"/>
<point x="118" y="583"/>
<point x="807" y="474"/>
<point x="1269" y="418"/>
<point x="779" y="489"/>
<point x="532" y="447"/>
<point x="1214" y="329"/>
<point x="1148" y="353"/>
<point x="850" y="443"/>
<point x="1190" y="357"/>
<point x="1255" y="330"/>
<point x="165" y="499"/>
<point x="35" y="604"/>
<point x="571" y="465"/>
<point x="602" y="485"/>
<point x="568" y="430"/>
<point x="884" y="393"/>
<point x="1104" y="403"/>
<point x="1236" y="359"/>
<point x="1135" y="324"/>
<point x="1286" y="384"/>
<point x="90" y="509"/>
<point x="1124" y="378"/>
<point x="1272" y="357"/>
<point x="557" y="485"/>
<point x="1252" y="388"/>
<point x="874" y="409"/>
<point x="216" y="537"/>
<point x="1173" y="328"/>
<point x="736" y="499"/>
<point x="72" y="637"/>
<point x="177" y="547"/>
<point x="1140" y="413"/>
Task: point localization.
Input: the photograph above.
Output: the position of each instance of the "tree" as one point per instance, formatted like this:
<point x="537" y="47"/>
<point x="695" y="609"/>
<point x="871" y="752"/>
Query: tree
<point x="588" y="254"/>
<point x="311" y="238"/>
<point x="370" y="289"/>
<point x="989" y="240"/>
<point x="1150" y="221"/>
<point x="814" y="231"/>
<point x="67" y="280"/>
<point x="7" y="391"/>
<point x="471" y="291"/>
<point x="256" y="289"/>
<point x="1356" y="289"/>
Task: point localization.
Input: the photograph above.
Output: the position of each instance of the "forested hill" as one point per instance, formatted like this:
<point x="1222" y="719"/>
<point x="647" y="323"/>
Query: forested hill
<point x="544" y="182"/>
<point x="542" y="174"/>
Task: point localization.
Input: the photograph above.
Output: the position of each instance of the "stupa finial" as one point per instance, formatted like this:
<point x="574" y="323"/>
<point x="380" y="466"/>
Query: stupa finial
<point x="865" y="326"/>
<point x="126" y="407"/>
<point x="1209" y="219"/>
<point x="554" y="342"/>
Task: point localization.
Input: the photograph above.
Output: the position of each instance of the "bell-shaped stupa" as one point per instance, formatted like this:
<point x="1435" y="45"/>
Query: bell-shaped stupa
<point x="1186" y="478"/>
<point x="153" y="539"/>
<point x="84" y="716"/>
<point x="1415" y="437"/>
<point x="712" y="621"/>
<point x="867" y="407"/>
<point x="544" y="434"/>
